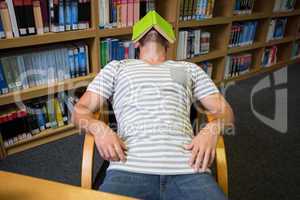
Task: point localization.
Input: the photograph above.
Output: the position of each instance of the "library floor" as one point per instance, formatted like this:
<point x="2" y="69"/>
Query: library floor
<point x="263" y="163"/>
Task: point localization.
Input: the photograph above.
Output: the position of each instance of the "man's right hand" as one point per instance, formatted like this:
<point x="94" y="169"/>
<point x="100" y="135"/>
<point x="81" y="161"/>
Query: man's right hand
<point x="110" y="146"/>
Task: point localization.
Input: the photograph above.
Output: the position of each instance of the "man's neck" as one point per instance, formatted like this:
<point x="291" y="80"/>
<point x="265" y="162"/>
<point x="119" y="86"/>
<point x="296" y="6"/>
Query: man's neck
<point x="153" y="53"/>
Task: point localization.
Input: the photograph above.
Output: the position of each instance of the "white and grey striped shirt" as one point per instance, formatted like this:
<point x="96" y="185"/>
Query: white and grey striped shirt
<point x="152" y="108"/>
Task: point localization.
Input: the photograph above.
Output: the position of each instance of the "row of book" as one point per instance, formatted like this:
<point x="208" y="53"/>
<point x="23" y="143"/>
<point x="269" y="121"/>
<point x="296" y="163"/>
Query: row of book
<point x="269" y="56"/>
<point x="284" y="5"/>
<point x="196" y="9"/>
<point x="192" y="43"/>
<point x="242" y="33"/>
<point x="276" y="28"/>
<point x="116" y="49"/>
<point x="296" y="49"/>
<point x="243" y="7"/>
<point x="19" y="123"/>
<point x="29" y="17"/>
<point x="237" y="65"/>
<point x="122" y="13"/>
<point x="207" y="67"/>
<point x="42" y="66"/>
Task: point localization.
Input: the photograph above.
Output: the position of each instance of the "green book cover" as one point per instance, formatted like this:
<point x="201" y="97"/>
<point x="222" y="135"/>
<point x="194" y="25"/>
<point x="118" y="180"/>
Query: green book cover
<point x="9" y="75"/>
<point x="153" y="20"/>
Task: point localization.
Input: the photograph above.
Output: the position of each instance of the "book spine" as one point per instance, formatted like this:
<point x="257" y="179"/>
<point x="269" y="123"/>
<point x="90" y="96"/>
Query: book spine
<point x="3" y="83"/>
<point x="82" y="61"/>
<point x="38" y="17"/>
<point x="123" y="14"/>
<point x="58" y="113"/>
<point x="71" y="62"/>
<point x="13" y="19"/>
<point x="74" y="14"/>
<point x="54" y="6"/>
<point x="136" y="11"/>
<point x="2" y="33"/>
<point x="130" y="12"/>
<point x="28" y="9"/>
<point x="45" y="15"/>
<point x="76" y="62"/>
<point x="61" y="16"/>
<point x="6" y="20"/>
<point x="18" y="7"/>
<point x="67" y="12"/>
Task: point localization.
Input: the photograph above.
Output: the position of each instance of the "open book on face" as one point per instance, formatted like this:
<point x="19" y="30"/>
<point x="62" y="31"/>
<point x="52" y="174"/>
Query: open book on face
<point x="153" y="20"/>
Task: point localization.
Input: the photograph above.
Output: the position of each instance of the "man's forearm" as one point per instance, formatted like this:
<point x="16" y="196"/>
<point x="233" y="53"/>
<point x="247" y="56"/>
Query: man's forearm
<point x="84" y="119"/>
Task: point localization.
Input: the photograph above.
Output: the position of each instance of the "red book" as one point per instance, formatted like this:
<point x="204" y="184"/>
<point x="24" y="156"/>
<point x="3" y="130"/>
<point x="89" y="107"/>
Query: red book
<point x="130" y="12"/>
<point x="136" y="10"/>
<point x="123" y="13"/>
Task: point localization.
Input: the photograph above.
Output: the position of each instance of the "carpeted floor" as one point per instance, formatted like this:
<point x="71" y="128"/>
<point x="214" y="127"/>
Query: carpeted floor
<point x="263" y="163"/>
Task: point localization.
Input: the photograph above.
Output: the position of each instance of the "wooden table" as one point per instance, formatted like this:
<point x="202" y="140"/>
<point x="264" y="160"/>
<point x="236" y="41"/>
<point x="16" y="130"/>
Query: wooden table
<point x="15" y="187"/>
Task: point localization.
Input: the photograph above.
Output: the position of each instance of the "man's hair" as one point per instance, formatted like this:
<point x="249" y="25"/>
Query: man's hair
<point x="154" y="36"/>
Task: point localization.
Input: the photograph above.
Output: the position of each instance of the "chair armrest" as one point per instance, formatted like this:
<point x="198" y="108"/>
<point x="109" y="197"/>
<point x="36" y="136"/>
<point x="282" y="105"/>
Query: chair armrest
<point x="221" y="165"/>
<point x="87" y="161"/>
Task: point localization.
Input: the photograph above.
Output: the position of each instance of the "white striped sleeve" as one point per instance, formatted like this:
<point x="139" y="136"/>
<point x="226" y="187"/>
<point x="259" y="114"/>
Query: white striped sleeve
<point x="104" y="82"/>
<point x="202" y="84"/>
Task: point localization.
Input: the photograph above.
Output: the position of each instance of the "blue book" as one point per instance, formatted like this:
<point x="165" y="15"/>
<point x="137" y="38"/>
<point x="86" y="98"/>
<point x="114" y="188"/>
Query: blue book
<point x="254" y="26"/>
<point x="2" y="34"/>
<point x="248" y="33"/>
<point x="40" y="118"/>
<point x="68" y="18"/>
<point x="76" y="62"/>
<point x="114" y="47"/>
<point x="71" y="63"/>
<point x="74" y="14"/>
<point x="82" y="61"/>
<point x="3" y="84"/>
<point x="61" y="20"/>
<point x="121" y="51"/>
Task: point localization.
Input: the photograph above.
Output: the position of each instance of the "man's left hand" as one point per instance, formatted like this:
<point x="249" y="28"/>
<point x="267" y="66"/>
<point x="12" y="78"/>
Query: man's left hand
<point x="203" y="147"/>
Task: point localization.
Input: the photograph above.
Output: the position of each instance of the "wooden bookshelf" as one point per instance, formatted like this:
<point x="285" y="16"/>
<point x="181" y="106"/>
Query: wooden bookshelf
<point x="255" y="45"/>
<point x="253" y="16"/>
<point x="46" y="136"/>
<point x="46" y="38"/>
<point x="45" y="90"/>
<point x="219" y="26"/>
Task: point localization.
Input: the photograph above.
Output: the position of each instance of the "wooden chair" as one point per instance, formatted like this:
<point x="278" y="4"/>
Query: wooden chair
<point x="88" y="157"/>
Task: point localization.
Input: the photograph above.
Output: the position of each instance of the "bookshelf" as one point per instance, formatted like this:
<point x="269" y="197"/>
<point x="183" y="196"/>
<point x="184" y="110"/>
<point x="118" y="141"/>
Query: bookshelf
<point x="219" y="26"/>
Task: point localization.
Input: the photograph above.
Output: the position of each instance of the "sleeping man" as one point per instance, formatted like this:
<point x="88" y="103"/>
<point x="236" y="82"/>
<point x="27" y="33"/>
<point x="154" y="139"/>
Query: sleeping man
<point x="154" y="154"/>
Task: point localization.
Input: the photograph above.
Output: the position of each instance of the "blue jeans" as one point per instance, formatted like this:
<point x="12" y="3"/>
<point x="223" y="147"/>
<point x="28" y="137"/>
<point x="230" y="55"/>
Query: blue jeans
<point x="163" y="187"/>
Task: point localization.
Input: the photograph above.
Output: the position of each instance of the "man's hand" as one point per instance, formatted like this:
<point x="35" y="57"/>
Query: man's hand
<point x="110" y="146"/>
<point x="203" y="148"/>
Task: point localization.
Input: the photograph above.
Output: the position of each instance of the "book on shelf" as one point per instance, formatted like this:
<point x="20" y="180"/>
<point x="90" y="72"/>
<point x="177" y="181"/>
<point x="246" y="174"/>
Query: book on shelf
<point x="284" y="5"/>
<point x="207" y="67"/>
<point x="193" y="43"/>
<point x="243" y="7"/>
<point x="42" y="66"/>
<point x="29" y="17"/>
<point x="18" y="123"/>
<point x="269" y="56"/>
<point x="242" y="33"/>
<point x="116" y="49"/>
<point x="2" y="33"/>
<point x="296" y="49"/>
<point x="7" y="27"/>
<point x="276" y="28"/>
<point x="237" y="65"/>
<point x="123" y="13"/>
<point x="196" y="9"/>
